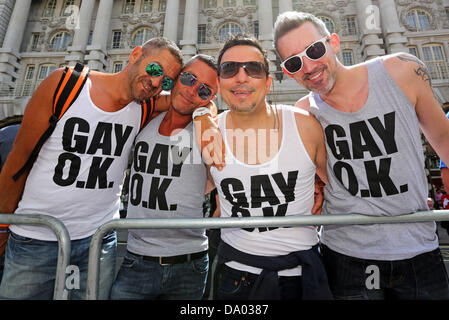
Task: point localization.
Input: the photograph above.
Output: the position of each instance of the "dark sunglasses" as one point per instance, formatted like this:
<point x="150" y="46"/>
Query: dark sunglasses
<point x="314" y="52"/>
<point x="155" y="70"/>
<point x="253" y="69"/>
<point x="188" y="79"/>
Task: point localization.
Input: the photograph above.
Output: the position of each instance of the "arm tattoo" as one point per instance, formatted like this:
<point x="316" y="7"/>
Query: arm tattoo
<point x="421" y="70"/>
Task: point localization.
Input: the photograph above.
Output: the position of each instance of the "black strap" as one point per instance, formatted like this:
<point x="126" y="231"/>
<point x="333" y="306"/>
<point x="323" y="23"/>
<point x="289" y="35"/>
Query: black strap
<point x="57" y="112"/>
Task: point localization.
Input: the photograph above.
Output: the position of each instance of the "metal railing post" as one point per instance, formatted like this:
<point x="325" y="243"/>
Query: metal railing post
<point x="64" y="244"/>
<point x="253" y="222"/>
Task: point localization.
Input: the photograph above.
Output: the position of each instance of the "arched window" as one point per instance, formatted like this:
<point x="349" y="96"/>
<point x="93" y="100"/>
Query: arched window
<point x="328" y="22"/>
<point x="433" y="57"/>
<point x="49" y="10"/>
<point x="418" y="19"/>
<point x="60" y="41"/>
<point x="142" y="35"/>
<point x="227" y="29"/>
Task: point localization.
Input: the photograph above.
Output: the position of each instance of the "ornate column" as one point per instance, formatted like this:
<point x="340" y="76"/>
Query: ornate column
<point x="171" y="20"/>
<point x="265" y="13"/>
<point x="81" y="36"/>
<point x="285" y="5"/>
<point x="9" y="53"/>
<point x="190" y="32"/>
<point x="392" y="29"/>
<point x="97" y="51"/>
<point x="369" y="21"/>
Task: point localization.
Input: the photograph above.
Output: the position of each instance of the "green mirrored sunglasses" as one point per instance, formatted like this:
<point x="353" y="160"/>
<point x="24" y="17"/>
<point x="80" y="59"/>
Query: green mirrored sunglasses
<point x="155" y="70"/>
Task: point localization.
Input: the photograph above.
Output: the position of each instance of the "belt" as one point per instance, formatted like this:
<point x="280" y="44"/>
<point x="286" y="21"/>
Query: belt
<point x="163" y="261"/>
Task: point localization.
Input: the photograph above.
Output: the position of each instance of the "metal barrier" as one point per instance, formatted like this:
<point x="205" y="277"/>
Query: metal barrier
<point x="253" y="222"/>
<point x="62" y="236"/>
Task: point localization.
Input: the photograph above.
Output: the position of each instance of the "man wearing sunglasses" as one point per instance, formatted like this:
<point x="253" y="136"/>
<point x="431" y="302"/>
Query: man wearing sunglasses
<point x="272" y="156"/>
<point x="168" y="180"/>
<point x="371" y="114"/>
<point x="78" y="173"/>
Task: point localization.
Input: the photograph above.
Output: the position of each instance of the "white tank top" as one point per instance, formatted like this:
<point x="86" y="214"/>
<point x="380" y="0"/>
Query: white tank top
<point x="281" y="186"/>
<point x="78" y="174"/>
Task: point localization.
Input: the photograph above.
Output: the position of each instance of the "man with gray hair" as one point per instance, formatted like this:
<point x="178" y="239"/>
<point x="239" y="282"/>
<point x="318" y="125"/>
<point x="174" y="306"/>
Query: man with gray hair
<point x="371" y="114"/>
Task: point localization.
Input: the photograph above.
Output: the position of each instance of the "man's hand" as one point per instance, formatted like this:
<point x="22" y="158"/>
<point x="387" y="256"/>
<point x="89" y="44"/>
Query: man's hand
<point x="319" y="196"/>
<point x="210" y="140"/>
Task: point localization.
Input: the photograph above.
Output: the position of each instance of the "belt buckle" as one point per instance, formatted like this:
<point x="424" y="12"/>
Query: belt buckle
<point x="163" y="264"/>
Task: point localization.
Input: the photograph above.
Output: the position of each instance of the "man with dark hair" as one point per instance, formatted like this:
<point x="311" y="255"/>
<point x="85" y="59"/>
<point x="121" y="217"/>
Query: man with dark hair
<point x="168" y="180"/>
<point x="272" y="156"/>
<point x="371" y="114"/>
<point x="78" y="173"/>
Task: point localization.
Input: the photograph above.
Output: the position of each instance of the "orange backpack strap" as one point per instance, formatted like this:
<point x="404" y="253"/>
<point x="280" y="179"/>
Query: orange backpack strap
<point x="147" y="111"/>
<point x="68" y="89"/>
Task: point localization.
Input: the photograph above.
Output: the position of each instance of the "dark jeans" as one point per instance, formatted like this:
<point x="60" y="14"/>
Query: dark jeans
<point x="236" y="285"/>
<point x="421" y="277"/>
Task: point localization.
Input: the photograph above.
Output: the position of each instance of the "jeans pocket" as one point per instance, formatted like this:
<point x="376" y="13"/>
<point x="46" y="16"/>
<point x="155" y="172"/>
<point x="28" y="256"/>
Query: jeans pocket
<point x="20" y="239"/>
<point x="129" y="261"/>
<point x="200" y="265"/>
<point x="229" y="283"/>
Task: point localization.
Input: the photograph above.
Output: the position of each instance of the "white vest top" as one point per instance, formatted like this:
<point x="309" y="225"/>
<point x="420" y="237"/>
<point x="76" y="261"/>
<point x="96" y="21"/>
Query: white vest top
<point x="281" y="186"/>
<point x="78" y="174"/>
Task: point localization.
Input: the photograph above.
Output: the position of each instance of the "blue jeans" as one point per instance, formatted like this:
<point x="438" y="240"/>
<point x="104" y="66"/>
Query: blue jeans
<point x="30" y="268"/>
<point x="421" y="277"/>
<point x="237" y="285"/>
<point x="140" y="279"/>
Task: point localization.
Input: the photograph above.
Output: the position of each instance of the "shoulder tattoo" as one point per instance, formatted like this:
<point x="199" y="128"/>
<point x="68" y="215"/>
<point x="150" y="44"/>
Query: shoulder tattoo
<point x="421" y="69"/>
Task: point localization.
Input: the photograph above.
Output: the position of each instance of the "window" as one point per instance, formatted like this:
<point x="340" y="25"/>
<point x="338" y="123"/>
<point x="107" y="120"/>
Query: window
<point x="329" y="23"/>
<point x="256" y="29"/>
<point x="229" y="3"/>
<point x="147" y="6"/>
<point x="418" y="19"/>
<point x="49" y="9"/>
<point x="209" y="4"/>
<point x="116" y="39"/>
<point x="228" y="29"/>
<point x="66" y="12"/>
<point x="45" y="70"/>
<point x="129" y="6"/>
<point x="348" y="57"/>
<point x="142" y="35"/>
<point x="117" y="67"/>
<point x="89" y="39"/>
<point x="60" y="41"/>
<point x="435" y="61"/>
<point x="249" y="2"/>
<point x="351" y="25"/>
<point x="162" y="5"/>
<point x="35" y="41"/>
<point x="413" y="50"/>
<point x="447" y="14"/>
<point x="202" y="34"/>
<point x="28" y="81"/>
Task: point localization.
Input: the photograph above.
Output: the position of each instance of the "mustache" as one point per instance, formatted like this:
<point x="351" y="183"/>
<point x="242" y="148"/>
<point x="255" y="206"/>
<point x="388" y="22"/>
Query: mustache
<point x="242" y="88"/>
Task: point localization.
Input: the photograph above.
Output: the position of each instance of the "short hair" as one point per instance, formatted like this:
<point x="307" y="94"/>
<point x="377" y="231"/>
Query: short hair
<point x="240" y="39"/>
<point x="160" y="43"/>
<point x="209" y="60"/>
<point x="290" y="20"/>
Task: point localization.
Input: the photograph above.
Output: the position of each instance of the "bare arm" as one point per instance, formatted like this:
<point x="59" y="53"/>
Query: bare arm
<point x="35" y="122"/>
<point x="414" y="79"/>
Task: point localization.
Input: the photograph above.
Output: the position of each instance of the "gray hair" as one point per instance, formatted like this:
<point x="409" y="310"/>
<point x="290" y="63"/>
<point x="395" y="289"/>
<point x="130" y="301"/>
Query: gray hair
<point x="290" y="20"/>
<point x="159" y="43"/>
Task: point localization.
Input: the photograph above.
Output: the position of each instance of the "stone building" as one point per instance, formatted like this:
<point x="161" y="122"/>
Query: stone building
<point x="37" y="36"/>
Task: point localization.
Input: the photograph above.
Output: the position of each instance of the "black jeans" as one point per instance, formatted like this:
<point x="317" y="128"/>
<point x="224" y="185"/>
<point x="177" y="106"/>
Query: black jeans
<point x="421" y="277"/>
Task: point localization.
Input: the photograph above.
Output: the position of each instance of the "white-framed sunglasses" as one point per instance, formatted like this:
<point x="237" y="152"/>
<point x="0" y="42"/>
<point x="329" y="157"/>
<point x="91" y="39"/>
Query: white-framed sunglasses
<point x="315" y="51"/>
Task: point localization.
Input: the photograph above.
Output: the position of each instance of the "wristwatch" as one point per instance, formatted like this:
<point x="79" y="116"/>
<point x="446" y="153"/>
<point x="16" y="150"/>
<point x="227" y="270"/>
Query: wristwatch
<point x="201" y="111"/>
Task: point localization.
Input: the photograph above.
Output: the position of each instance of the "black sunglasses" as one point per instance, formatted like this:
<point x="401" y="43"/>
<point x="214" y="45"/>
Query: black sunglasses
<point x="314" y="51"/>
<point x="253" y="69"/>
<point x="188" y="79"/>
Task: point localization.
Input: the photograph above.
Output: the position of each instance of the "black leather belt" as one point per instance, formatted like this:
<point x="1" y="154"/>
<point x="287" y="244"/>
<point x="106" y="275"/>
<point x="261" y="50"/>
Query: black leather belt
<point x="174" y="259"/>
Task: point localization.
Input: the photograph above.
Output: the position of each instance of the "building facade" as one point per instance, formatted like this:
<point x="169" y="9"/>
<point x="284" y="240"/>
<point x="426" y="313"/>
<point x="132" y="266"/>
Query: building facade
<point x="38" y="36"/>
